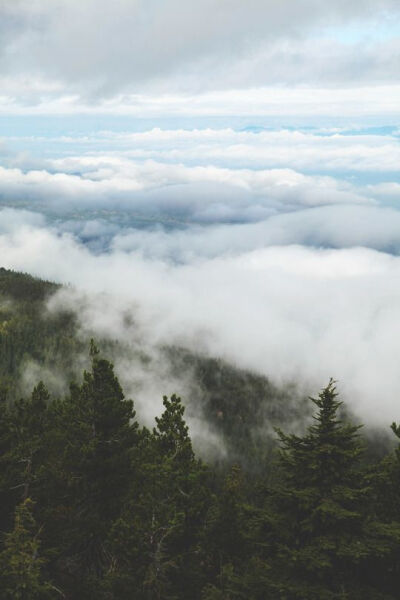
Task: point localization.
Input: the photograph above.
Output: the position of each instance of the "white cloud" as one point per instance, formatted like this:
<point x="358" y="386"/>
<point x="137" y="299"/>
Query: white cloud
<point x="305" y="284"/>
<point x="387" y="190"/>
<point x="13" y="219"/>
<point x="102" y="153"/>
<point x="303" y="58"/>
<point x="177" y="191"/>
<point x="59" y="40"/>
<point x="289" y="312"/>
<point x="295" y="149"/>
<point x="320" y="227"/>
<point x="308" y="102"/>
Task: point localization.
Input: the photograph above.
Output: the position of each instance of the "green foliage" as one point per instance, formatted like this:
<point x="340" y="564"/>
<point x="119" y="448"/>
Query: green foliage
<point x="238" y="404"/>
<point x="154" y="544"/>
<point x="96" y="507"/>
<point x="28" y="332"/>
<point x="235" y="403"/>
<point x="20" y="561"/>
<point x="98" y="435"/>
<point x="323" y="537"/>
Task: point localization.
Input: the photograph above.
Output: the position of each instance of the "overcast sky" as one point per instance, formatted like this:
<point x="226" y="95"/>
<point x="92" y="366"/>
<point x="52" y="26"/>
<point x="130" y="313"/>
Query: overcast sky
<point x="62" y="55"/>
<point x="228" y="168"/>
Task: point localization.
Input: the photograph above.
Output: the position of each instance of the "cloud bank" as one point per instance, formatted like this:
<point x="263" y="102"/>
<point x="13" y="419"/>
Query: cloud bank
<point x="291" y="312"/>
<point x="181" y="176"/>
<point x="224" y="171"/>
<point x="61" y="55"/>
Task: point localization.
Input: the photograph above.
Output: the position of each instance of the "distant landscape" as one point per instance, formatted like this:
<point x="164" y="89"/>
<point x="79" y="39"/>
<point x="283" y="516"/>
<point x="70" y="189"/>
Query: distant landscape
<point x="199" y="299"/>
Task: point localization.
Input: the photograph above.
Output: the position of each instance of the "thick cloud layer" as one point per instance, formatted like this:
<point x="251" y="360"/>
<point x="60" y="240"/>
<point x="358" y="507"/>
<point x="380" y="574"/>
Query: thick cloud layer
<point x="199" y="176"/>
<point x="225" y="170"/>
<point x="62" y="51"/>
<point x="145" y="39"/>
<point x="291" y="312"/>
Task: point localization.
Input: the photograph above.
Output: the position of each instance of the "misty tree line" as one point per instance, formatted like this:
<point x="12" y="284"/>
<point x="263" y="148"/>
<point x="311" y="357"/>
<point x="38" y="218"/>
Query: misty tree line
<point x="95" y="506"/>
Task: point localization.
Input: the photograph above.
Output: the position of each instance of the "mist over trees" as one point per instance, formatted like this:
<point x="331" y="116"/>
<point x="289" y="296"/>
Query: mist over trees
<point x="199" y="283"/>
<point x="95" y="505"/>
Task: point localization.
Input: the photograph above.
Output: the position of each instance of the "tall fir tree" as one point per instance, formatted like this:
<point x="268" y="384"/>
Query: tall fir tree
<point x="100" y="434"/>
<point x="155" y="543"/>
<point x="323" y="540"/>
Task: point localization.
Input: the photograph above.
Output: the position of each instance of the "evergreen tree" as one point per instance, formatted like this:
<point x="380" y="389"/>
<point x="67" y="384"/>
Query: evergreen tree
<point x="385" y="480"/>
<point x="7" y="467"/>
<point x="23" y="431"/>
<point x="30" y="428"/>
<point x="155" y="543"/>
<point x="225" y="545"/>
<point x="105" y="510"/>
<point x="322" y="538"/>
<point x="100" y="433"/>
<point x="20" y="562"/>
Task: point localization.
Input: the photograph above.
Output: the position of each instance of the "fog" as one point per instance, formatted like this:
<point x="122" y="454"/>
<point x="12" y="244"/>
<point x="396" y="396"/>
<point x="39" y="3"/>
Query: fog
<point x="221" y="175"/>
<point x="291" y="312"/>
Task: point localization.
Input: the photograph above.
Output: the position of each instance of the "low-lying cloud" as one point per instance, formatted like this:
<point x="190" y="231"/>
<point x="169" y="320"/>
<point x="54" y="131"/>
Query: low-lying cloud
<point x="204" y="194"/>
<point x="277" y="250"/>
<point x="224" y="178"/>
<point x="201" y="175"/>
<point x="291" y="312"/>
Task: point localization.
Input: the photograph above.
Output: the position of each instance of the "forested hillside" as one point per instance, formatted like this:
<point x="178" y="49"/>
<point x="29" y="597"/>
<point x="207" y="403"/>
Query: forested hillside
<point x="240" y="406"/>
<point x="94" y="505"/>
<point x="28" y="331"/>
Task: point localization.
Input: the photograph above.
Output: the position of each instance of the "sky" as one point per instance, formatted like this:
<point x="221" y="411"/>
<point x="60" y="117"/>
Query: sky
<point x="227" y="170"/>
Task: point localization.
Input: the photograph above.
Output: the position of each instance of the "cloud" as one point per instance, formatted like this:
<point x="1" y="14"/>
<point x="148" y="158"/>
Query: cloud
<point x="321" y="227"/>
<point x="12" y="219"/>
<point x="105" y="153"/>
<point x="201" y="175"/>
<point x="55" y="51"/>
<point x="172" y="191"/>
<point x="277" y="148"/>
<point x="310" y="103"/>
<point x="277" y="250"/>
<point x="289" y="312"/>
<point x="107" y="180"/>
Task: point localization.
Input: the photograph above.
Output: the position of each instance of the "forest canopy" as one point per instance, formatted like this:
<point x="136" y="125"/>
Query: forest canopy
<point x="96" y="505"/>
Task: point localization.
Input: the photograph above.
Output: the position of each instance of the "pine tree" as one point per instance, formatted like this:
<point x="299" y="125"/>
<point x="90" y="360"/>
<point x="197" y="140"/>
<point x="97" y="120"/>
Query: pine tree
<point x="20" y="562"/>
<point x="7" y="479"/>
<point x="30" y="429"/>
<point x="225" y="546"/>
<point x="155" y="543"/>
<point x="23" y="450"/>
<point x="100" y="435"/>
<point x="323" y="538"/>
<point x="385" y="480"/>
